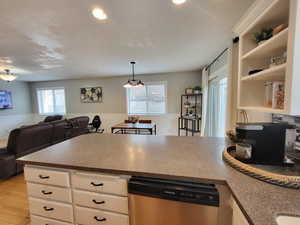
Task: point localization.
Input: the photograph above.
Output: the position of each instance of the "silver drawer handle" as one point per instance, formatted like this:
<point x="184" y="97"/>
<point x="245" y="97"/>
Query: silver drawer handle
<point x="48" y="209"/>
<point x="99" y="220"/>
<point x="96" y="185"/>
<point x="98" y="203"/>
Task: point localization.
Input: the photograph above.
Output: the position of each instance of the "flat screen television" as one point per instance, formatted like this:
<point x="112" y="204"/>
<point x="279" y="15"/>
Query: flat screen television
<point x="5" y="100"/>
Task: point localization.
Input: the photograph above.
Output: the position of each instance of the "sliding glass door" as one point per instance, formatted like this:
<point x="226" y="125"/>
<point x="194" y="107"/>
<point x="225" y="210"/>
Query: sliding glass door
<point x="217" y="100"/>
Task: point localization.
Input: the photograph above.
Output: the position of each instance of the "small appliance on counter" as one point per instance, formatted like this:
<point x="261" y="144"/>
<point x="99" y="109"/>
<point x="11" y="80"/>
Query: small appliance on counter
<point x="263" y="143"/>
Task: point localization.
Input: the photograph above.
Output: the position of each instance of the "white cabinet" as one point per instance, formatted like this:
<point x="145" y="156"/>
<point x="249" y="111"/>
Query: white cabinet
<point x="49" y="192"/>
<point x="38" y="220"/>
<point x="51" y="209"/>
<point x="56" y="194"/>
<point x="86" y="216"/>
<point x="101" y="201"/>
<point x="100" y="183"/>
<point x="47" y="176"/>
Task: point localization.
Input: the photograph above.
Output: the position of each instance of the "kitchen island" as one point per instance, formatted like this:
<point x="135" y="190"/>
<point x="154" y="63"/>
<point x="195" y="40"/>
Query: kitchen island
<point x="194" y="159"/>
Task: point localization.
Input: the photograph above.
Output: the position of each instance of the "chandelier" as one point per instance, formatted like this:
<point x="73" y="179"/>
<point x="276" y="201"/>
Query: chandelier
<point x="133" y="82"/>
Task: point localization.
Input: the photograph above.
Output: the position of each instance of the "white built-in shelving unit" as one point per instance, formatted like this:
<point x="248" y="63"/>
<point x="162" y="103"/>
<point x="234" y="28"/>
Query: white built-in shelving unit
<point x="252" y="56"/>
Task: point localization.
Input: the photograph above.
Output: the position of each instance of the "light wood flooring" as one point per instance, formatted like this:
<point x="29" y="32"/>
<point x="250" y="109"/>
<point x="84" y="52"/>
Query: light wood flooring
<point x="13" y="202"/>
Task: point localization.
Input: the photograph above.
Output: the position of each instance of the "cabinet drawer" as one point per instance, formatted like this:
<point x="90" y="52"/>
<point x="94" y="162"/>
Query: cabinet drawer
<point x="47" y="176"/>
<point x="49" y="192"/>
<point x="101" y="201"/>
<point x="37" y="220"/>
<point x="51" y="209"/>
<point x="85" y="216"/>
<point x="100" y="183"/>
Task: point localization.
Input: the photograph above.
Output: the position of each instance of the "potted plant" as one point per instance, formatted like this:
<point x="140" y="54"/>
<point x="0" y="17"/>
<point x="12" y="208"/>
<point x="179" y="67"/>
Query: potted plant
<point x="189" y="91"/>
<point x="263" y="35"/>
<point x="197" y="90"/>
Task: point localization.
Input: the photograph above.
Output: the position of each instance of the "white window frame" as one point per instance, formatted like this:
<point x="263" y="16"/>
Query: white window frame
<point x="38" y="103"/>
<point x="150" y="114"/>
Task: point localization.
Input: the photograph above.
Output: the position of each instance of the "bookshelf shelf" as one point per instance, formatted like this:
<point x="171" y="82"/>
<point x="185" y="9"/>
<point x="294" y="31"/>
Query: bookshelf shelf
<point x="281" y="81"/>
<point x="273" y="74"/>
<point x="269" y="47"/>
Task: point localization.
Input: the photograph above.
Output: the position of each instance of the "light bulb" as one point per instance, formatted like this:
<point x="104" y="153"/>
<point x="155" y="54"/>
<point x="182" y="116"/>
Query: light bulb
<point x="99" y="14"/>
<point x="127" y="85"/>
<point x="179" y="2"/>
<point x="7" y="77"/>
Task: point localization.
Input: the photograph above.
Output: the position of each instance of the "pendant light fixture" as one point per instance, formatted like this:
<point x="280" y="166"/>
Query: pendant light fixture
<point x="8" y="76"/>
<point x="133" y="82"/>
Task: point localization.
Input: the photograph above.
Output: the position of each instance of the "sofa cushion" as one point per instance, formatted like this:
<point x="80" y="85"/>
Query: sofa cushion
<point x="52" y="118"/>
<point x="59" y="131"/>
<point x="79" y="125"/>
<point x="29" y="139"/>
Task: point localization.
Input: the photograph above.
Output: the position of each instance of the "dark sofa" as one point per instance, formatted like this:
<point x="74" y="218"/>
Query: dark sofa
<point x="28" y="139"/>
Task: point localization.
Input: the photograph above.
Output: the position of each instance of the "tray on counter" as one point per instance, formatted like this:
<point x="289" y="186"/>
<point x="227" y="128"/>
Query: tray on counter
<point x="288" y="177"/>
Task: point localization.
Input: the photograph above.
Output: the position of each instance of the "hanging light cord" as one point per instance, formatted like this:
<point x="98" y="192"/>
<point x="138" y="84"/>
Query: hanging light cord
<point x="132" y="64"/>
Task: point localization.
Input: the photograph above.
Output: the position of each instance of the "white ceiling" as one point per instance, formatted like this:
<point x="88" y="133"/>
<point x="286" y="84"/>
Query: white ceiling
<point x="60" y="39"/>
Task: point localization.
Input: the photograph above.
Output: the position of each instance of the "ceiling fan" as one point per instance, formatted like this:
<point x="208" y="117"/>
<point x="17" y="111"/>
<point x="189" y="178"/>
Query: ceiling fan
<point x="7" y="75"/>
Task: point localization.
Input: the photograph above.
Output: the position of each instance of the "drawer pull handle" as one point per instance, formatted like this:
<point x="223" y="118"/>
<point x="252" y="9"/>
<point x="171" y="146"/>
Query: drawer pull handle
<point x="43" y="177"/>
<point x="48" y="209"/>
<point x="98" y="203"/>
<point x="99" y="220"/>
<point x="96" y="185"/>
<point x="47" y="192"/>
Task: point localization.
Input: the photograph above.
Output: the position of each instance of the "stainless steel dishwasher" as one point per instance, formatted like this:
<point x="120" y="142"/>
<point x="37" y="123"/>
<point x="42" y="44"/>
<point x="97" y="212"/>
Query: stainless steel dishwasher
<point x="166" y="202"/>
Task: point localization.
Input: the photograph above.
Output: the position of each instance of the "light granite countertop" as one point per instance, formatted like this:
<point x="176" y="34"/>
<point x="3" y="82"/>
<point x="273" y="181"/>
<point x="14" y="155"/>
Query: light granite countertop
<point x="197" y="159"/>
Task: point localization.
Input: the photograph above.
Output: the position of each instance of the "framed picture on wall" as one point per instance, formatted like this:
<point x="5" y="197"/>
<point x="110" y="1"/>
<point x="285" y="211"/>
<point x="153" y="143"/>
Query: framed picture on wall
<point x="91" y="95"/>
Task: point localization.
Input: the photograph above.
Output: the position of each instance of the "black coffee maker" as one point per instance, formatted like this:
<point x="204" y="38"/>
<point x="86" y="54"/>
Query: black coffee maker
<point x="267" y="141"/>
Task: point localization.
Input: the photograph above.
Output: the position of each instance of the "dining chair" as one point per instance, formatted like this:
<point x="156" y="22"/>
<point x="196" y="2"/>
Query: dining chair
<point x="145" y="121"/>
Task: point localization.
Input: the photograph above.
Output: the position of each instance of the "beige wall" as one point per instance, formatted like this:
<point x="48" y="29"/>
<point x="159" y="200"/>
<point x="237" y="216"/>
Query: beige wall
<point x="114" y="95"/>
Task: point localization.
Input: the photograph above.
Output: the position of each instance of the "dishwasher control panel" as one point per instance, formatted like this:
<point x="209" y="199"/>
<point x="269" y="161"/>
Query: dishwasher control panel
<point x="197" y="193"/>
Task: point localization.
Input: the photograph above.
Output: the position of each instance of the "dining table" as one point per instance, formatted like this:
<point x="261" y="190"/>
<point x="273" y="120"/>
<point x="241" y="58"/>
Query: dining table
<point x="134" y="128"/>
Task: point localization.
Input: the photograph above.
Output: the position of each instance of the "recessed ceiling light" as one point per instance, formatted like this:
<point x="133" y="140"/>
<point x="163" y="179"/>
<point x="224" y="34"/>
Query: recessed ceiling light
<point x="99" y="14"/>
<point x="179" y="2"/>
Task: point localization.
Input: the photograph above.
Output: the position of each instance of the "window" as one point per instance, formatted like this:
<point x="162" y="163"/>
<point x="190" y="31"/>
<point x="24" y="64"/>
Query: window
<point x="51" y="101"/>
<point x="149" y="99"/>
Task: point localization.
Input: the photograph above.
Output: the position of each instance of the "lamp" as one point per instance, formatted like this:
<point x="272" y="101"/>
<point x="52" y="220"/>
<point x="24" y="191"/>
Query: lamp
<point x="133" y="82"/>
<point x="7" y="76"/>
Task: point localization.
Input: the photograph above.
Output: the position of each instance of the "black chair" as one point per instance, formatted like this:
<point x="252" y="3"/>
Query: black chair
<point x="95" y="125"/>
